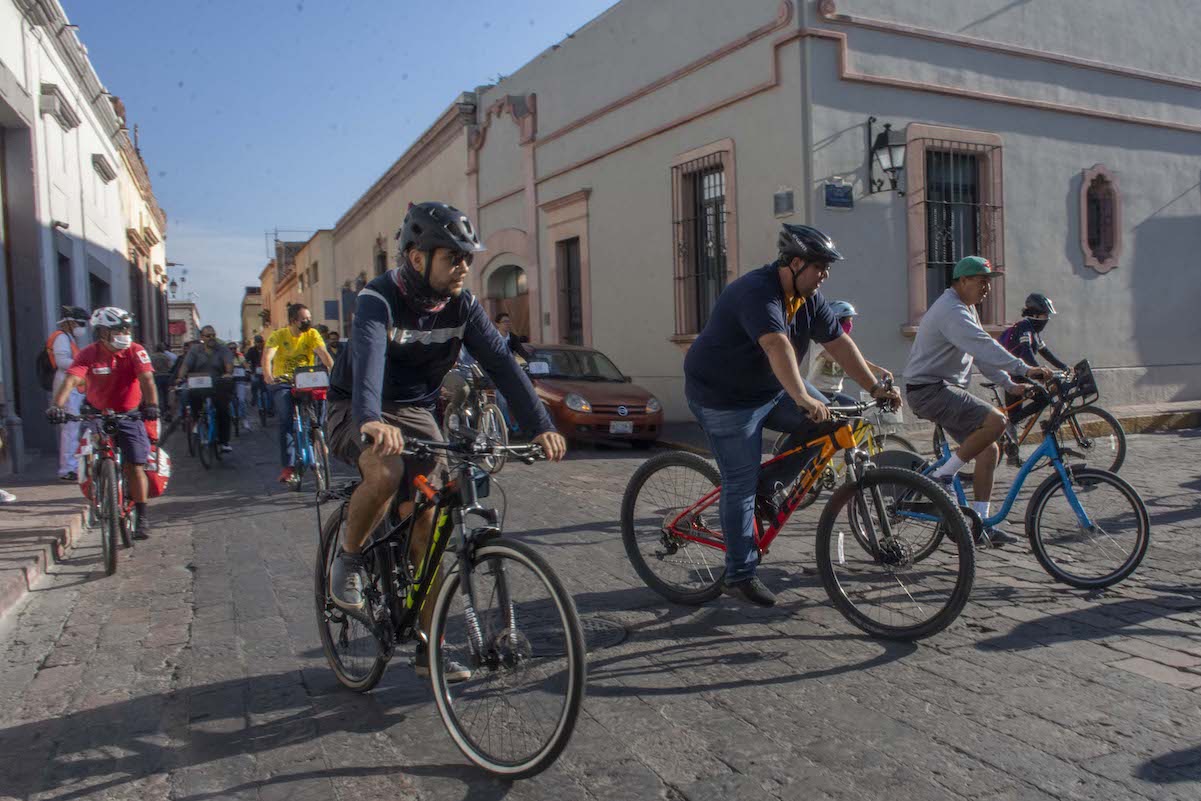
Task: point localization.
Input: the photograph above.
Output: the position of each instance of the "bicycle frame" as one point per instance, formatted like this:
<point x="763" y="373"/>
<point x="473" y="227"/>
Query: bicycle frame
<point x="301" y="401"/>
<point x="1049" y="449"/>
<point x="845" y="438"/>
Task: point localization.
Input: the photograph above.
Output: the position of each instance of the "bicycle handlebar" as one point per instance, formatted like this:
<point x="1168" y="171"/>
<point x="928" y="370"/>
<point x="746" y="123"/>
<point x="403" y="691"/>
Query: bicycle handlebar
<point x="83" y="418"/>
<point x="471" y="449"/>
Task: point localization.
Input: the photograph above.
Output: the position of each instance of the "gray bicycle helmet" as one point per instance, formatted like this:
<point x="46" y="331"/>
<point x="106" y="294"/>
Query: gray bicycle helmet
<point x="1038" y="303"/>
<point x="806" y="242"/>
<point x="843" y="309"/>
<point x="432" y="225"/>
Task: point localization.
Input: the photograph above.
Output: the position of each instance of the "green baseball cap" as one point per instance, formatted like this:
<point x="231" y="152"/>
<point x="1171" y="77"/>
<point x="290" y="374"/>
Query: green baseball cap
<point x="973" y="265"/>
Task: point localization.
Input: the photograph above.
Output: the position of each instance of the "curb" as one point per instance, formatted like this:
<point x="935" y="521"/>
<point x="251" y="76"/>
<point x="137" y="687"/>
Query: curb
<point x="44" y="546"/>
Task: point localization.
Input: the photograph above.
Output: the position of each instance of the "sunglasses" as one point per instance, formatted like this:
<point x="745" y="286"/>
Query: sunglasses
<point x="461" y="256"/>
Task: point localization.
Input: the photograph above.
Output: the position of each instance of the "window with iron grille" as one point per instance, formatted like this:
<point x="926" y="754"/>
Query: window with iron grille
<point x="963" y="212"/>
<point x="699" y="217"/>
<point x="571" y="308"/>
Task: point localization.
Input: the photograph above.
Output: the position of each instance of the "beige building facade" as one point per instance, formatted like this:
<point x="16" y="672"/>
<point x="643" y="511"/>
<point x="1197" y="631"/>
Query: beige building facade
<point x="316" y="280"/>
<point x="252" y="314"/>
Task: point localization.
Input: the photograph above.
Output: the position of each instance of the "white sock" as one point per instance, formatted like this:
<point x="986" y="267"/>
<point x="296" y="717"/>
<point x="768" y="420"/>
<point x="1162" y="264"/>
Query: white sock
<point x="951" y="467"/>
<point x="982" y="508"/>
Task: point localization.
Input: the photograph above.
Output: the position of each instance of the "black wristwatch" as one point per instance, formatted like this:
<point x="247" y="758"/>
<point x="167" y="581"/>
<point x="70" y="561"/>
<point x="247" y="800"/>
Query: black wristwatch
<point x="881" y="384"/>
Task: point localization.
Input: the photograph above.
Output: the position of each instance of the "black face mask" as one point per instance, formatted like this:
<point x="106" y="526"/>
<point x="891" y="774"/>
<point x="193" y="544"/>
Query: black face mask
<point x="1037" y="325"/>
<point x="305" y="325"/>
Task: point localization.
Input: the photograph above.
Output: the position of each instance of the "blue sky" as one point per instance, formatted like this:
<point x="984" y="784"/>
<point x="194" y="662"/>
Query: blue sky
<point x="263" y="114"/>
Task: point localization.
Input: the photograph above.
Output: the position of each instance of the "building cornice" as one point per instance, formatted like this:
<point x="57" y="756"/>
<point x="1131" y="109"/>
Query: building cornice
<point x="435" y="139"/>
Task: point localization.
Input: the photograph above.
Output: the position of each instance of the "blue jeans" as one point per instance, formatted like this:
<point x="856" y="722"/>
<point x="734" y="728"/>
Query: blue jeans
<point x="736" y="439"/>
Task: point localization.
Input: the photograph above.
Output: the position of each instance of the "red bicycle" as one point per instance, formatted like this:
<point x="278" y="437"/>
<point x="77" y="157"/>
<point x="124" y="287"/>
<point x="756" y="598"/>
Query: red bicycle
<point x="893" y="573"/>
<point x="103" y="483"/>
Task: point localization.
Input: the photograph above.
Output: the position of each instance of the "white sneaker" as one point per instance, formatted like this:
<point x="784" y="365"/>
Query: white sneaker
<point x="7" y="497"/>
<point x="227" y="448"/>
<point x="245" y="425"/>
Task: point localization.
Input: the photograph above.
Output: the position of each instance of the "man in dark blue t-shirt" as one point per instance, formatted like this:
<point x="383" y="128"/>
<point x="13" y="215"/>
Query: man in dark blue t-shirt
<point x="741" y="375"/>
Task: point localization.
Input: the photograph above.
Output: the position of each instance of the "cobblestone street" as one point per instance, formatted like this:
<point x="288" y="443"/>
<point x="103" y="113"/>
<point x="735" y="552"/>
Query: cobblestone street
<point x="196" y="672"/>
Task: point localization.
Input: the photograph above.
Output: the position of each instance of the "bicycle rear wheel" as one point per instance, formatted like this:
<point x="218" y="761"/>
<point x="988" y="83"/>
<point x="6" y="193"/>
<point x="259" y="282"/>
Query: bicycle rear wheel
<point x="516" y="713"/>
<point x="351" y="649"/>
<point x="110" y="515"/>
<point x="877" y="582"/>
<point x="892" y="442"/>
<point x="1109" y="549"/>
<point x="129" y="524"/>
<point x="204" y="443"/>
<point x="661" y="490"/>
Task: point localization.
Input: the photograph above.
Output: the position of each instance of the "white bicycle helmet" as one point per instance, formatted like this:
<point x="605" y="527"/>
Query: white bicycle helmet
<point x="111" y="317"/>
<point x="842" y="309"/>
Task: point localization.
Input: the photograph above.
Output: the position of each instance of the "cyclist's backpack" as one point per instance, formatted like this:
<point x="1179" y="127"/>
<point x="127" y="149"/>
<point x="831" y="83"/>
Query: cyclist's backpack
<point x="45" y="368"/>
<point x="158" y="471"/>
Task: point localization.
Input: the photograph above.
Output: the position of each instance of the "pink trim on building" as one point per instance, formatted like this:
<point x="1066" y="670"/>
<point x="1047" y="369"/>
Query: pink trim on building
<point x="566" y="218"/>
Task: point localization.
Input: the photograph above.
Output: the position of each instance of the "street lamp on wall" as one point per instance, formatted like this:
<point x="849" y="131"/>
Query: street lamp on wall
<point x="886" y="152"/>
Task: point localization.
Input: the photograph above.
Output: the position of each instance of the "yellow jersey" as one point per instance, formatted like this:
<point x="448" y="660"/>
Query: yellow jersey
<point x="292" y="352"/>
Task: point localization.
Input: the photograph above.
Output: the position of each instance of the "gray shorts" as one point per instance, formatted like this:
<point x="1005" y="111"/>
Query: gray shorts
<point x="413" y="422"/>
<point x="959" y="412"/>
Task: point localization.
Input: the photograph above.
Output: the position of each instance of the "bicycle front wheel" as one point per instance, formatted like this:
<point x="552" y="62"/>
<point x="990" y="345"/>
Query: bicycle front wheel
<point x="653" y="520"/>
<point x="1097" y="552"/>
<point x="110" y="515"/>
<point x="320" y="460"/>
<point x="874" y="575"/>
<point x="492" y="423"/>
<point x="521" y="638"/>
<point x="1091" y="434"/>
<point x="204" y="444"/>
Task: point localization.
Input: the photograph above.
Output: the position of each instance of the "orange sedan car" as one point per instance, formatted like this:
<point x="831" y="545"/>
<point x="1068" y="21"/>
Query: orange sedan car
<point x="589" y="398"/>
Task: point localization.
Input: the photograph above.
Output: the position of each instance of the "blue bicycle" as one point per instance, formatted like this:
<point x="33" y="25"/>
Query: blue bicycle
<point x="1087" y="527"/>
<point x="312" y="453"/>
<point x="202" y="432"/>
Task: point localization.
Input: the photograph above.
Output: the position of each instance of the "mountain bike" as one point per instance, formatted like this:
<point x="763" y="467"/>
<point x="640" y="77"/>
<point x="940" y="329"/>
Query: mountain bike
<point x="875" y="440"/>
<point x="1088" y="527"/>
<point x="264" y="397"/>
<point x="500" y="610"/>
<point x="474" y="407"/>
<point x="1086" y="432"/>
<point x="671" y="530"/>
<point x="309" y="389"/>
<point x="108" y="503"/>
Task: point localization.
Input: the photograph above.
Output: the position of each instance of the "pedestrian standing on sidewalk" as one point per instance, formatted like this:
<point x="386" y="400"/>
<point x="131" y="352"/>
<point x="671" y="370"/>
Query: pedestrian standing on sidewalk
<point x="62" y="347"/>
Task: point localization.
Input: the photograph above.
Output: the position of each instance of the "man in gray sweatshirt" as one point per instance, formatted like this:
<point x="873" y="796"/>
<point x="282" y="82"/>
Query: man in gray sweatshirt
<point x="949" y="341"/>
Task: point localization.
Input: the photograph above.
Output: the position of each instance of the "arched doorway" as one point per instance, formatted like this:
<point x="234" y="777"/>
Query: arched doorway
<point x="505" y="290"/>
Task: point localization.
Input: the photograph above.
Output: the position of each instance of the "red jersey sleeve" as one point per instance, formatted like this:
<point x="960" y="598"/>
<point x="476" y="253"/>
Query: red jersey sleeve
<point x="83" y="360"/>
<point x="141" y="360"/>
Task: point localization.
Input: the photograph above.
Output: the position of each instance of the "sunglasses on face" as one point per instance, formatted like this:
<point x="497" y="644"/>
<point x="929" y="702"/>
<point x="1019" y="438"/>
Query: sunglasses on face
<point x="461" y="256"/>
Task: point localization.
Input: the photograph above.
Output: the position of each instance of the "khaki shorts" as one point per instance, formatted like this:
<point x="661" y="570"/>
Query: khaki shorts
<point x="959" y="412"/>
<point x="414" y="422"/>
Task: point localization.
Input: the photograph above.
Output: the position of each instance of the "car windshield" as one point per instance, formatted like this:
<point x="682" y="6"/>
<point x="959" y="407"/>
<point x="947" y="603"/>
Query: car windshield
<point x="578" y="365"/>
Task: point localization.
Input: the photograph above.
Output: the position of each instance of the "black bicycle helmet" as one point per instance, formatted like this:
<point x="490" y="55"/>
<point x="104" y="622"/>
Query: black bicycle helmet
<point x="806" y="242"/>
<point x="74" y="313"/>
<point x="1038" y="303"/>
<point x="432" y="225"/>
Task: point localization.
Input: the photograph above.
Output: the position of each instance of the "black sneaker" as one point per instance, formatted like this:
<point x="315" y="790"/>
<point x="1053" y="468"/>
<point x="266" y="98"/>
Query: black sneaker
<point x="142" y="531"/>
<point x="347" y="577"/>
<point x="751" y="590"/>
<point x="455" y="672"/>
<point x="996" y="537"/>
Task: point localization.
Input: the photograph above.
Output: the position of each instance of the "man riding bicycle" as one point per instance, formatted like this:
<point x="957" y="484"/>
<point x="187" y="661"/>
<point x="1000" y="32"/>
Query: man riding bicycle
<point x="213" y="358"/>
<point x="120" y="379"/>
<point x="296" y="345"/>
<point x="409" y="326"/>
<point x="1024" y="339"/>
<point x="949" y="341"/>
<point x="742" y="375"/>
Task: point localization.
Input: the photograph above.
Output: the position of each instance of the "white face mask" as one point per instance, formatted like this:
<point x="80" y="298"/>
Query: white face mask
<point x="122" y="341"/>
<point x="80" y="331"/>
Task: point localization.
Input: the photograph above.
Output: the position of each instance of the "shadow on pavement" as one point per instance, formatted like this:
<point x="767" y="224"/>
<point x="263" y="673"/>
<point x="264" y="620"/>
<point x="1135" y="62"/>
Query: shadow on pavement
<point x="1177" y="766"/>
<point x="1086" y="624"/>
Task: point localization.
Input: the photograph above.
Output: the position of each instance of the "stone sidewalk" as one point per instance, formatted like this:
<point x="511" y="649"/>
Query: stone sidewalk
<point x="195" y="672"/>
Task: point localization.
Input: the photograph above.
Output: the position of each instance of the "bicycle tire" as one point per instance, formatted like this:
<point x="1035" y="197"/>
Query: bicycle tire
<point x="711" y="580"/>
<point x="320" y="460"/>
<point x="1109" y="427"/>
<point x="262" y="414"/>
<point x="892" y="442"/>
<point x="327" y="612"/>
<point x="129" y="524"/>
<point x="1086" y="476"/>
<point x="192" y="437"/>
<point x="203" y="443"/>
<point x="938" y="438"/>
<point x="492" y="423"/>
<point x="544" y="756"/>
<point x="955" y="528"/>
<point x="109" y="515"/>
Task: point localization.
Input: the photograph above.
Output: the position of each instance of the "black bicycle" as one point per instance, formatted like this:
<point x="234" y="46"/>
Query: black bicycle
<point x="500" y="611"/>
